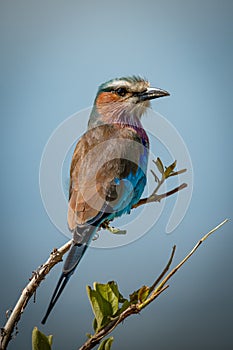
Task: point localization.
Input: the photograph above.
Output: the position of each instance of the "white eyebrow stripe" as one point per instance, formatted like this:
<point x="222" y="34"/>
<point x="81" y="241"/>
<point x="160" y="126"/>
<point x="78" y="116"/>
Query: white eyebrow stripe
<point x="137" y="86"/>
<point x="120" y="83"/>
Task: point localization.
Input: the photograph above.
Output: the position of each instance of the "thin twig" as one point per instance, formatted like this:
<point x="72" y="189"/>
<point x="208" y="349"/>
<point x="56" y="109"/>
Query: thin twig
<point x="28" y="291"/>
<point x="164" y="270"/>
<point x="136" y="308"/>
<point x="191" y="253"/>
<point x="157" y="197"/>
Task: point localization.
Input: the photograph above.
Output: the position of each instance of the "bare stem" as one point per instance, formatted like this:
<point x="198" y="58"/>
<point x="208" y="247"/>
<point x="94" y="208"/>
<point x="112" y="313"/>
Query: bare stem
<point x="28" y="291"/>
<point x="191" y="253"/>
<point x="158" y="197"/>
<point x="164" y="270"/>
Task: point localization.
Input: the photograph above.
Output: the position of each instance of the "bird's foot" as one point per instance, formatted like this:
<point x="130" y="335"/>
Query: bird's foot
<point x="115" y="230"/>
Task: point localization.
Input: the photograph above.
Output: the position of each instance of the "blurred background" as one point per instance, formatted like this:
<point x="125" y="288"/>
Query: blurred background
<point x="54" y="54"/>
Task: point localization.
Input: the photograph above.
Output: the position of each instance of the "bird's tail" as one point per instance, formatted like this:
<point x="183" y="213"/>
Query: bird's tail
<point x="76" y="252"/>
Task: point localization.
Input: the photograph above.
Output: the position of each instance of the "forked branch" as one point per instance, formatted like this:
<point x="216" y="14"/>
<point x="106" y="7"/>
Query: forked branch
<point x="145" y="295"/>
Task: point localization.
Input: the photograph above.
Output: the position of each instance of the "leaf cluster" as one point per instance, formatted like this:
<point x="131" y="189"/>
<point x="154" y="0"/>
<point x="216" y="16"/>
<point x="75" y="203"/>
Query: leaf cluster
<point x="165" y="171"/>
<point x="107" y="303"/>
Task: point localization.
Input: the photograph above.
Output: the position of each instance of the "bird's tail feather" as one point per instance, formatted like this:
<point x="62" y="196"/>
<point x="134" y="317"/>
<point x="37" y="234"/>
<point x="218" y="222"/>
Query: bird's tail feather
<point x="76" y="252"/>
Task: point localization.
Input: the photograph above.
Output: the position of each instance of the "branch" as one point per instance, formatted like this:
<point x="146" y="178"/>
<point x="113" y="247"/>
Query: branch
<point x="165" y="172"/>
<point x="164" y="270"/>
<point x="56" y="255"/>
<point x="150" y="294"/>
<point x="191" y="253"/>
<point x="158" y="197"/>
<point x="28" y="291"/>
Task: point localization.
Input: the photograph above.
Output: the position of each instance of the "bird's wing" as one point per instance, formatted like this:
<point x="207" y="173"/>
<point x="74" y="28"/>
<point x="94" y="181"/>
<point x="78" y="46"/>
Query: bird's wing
<point x="103" y="160"/>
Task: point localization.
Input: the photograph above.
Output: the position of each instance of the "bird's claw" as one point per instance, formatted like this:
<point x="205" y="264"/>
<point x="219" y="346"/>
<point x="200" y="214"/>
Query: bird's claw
<point x="115" y="230"/>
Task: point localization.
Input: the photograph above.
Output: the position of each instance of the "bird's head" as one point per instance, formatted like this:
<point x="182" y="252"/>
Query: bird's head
<point x="123" y="100"/>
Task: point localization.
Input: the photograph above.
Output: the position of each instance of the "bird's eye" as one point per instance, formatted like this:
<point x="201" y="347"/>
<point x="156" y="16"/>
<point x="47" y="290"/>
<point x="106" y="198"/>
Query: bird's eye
<point x="121" y="92"/>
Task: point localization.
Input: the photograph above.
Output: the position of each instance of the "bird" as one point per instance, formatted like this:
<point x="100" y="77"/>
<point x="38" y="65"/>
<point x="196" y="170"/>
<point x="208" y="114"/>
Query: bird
<point x="108" y="167"/>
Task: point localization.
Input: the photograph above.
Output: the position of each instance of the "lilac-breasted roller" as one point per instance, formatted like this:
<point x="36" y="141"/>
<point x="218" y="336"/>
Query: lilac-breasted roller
<point x="109" y="164"/>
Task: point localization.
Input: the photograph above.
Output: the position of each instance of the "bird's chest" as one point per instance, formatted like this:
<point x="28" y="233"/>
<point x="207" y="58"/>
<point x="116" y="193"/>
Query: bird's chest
<point x="131" y="181"/>
<point x="141" y="148"/>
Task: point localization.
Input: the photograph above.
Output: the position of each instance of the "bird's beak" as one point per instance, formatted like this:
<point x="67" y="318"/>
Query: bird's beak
<point x="152" y="93"/>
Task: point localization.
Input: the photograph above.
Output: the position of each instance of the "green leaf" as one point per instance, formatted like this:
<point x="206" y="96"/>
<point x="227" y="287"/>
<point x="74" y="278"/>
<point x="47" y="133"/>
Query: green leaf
<point x="110" y="294"/>
<point x="122" y="299"/>
<point x="139" y="295"/>
<point x="104" y="300"/>
<point x="95" y="324"/>
<point x="134" y="297"/>
<point x="40" y="341"/>
<point x="99" y="307"/>
<point x="143" y="293"/>
<point x="169" y="169"/>
<point x="106" y="344"/>
<point x="50" y="340"/>
<point x="159" y="165"/>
